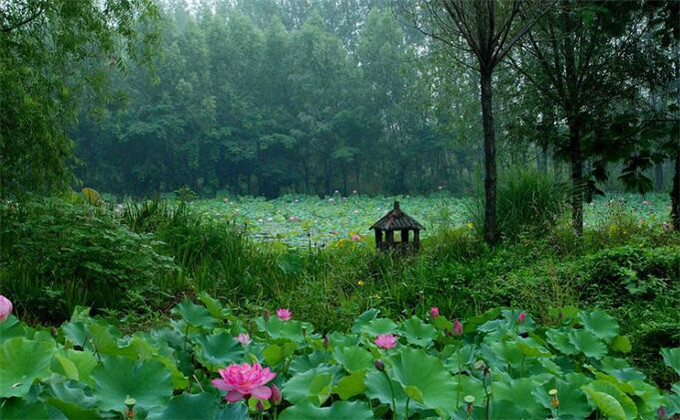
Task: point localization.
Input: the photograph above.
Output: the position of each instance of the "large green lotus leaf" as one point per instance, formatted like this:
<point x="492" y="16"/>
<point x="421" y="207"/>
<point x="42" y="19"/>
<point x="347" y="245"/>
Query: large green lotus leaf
<point x="232" y="412"/>
<point x="379" y="326"/>
<point x="76" y="365"/>
<point x="214" y="306"/>
<point x="23" y="361"/>
<point x="188" y="406"/>
<point x="217" y="350"/>
<point x="378" y="387"/>
<point x="357" y="410"/>
<point x="468" y="385"/>
<point x="516" y="391"/>
<point x="354" y="358"/>
<point x="291" y="330"/>
<point x="610" y="400"/>
<point x="76" y="332"/>
<point x="600" y="324"/>
<point x="587" y="343"/>
<point x="502" y="409"/>
<point x="310" y="361"/>
<point x="103" y="339"/>
<point x="196" y="315"/>
<point x="70" y="398"/>
<point x="313" y="386"/>
<point x="560" y="340"/>
<point x="274" y="353"/>
<point x="21" y="409"/>
<point x="573" y="401"/>
<point x="118" y="377"/>
<point x="417" y="332"/>
<point x="650" y="398"/>
<point x="671" y="357"/>
<point x="424" y="379"/>
<point x="459" y="357"/>
<point x="622" y="344"/>
<point x="343" y="340"/>
<point x="351" y="385"/>
<point x="531" y="348"/>
<point x="11" y="328"/>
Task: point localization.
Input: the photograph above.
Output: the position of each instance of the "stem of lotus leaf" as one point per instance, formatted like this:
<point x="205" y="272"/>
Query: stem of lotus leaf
<point x="186" y="336"/>
<point x="394" y="404"/>
<point x="408" y="400"/>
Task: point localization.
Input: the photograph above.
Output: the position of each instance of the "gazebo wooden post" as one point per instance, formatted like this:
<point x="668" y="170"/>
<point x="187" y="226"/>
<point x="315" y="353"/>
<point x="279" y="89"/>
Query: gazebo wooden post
<point x="416" y="239"/>
<point x="378" y="238"/>
<point x="404" y="236"/>
<point x="390" y="238"/>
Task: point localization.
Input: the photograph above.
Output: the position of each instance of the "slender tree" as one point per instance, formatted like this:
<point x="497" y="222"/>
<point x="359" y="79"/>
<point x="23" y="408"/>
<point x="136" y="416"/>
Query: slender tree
<point x="488" y="29"/>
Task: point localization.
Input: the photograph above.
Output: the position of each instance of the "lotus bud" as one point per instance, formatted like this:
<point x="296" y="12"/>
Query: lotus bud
<point x="521" y="317"/>
<point x="662" y="413"/>
<point x="259" y="406"/>
<point x="276" y="395"/>
<point x="266" y="315"/>
<point x="326" y="342"/>
<point x="379" y="365"/>
<point x="457" y="327"/>
<point x="434" y="312"/>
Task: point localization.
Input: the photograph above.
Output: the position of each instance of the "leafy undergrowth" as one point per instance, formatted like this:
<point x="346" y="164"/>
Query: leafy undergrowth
<point x="498" y="365"/>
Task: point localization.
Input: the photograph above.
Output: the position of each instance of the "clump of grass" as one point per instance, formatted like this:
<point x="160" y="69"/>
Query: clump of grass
<point x="529" y="203"/>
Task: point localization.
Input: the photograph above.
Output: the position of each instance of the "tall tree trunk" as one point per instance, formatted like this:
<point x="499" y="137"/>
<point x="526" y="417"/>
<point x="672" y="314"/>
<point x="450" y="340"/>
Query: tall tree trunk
<point x="675" y="193"/>
<point x="490" y="228"/>
<point x="576" y="177"/>
<point x="573" y="121"/>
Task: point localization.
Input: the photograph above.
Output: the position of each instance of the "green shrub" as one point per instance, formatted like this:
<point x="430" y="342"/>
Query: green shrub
<point x="529" y="203"/>
<point x="57" y="255"/>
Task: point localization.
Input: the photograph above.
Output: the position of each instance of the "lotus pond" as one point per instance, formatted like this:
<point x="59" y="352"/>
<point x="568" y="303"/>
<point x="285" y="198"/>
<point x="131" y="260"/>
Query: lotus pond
<point x="313" y="221"/>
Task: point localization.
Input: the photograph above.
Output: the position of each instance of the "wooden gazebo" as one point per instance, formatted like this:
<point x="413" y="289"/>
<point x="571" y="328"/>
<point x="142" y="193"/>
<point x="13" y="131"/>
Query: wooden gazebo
<point x="397" y="220"/>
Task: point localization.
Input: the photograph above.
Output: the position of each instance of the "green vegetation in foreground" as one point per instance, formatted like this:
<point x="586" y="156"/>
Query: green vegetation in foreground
<point x="501" y="364"/>
<point x="136" y="262"/>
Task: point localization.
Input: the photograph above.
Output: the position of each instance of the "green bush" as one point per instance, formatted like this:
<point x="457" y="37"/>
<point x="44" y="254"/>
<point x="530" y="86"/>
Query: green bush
<point x="529" y="203"/>
<point x="57" y="255"/>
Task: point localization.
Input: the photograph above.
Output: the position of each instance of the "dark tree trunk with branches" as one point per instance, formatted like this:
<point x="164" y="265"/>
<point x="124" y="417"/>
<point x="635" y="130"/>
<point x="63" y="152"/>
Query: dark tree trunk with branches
<point x="485" y="28"/>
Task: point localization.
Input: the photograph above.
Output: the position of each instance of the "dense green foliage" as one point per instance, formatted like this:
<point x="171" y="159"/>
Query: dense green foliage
<point x="499" y="364"/>
<point x="55" y="53"/>
<point x="626" y="263"/>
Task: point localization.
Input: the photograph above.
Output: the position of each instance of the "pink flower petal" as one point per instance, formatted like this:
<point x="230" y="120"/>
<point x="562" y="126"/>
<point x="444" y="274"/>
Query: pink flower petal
<point x="234" y="396"/>
<point x="262" y="392"/>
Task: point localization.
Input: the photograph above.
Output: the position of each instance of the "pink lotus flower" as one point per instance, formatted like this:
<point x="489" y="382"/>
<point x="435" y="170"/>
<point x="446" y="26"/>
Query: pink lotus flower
<point x="457" y="327"/>
<point x="244" y="339"/>
<point x="293" y="219"/>
<point x="521" y="317"/>
<point x="243" y="381"/>
<point x="386" y="341"/>
<point x="237" y="211"/>
<point x="5" y="308"/>
<point x="356" y="237"/>
<point x="284" y="314"/>
<point x="646" y="203"/>
<point x="434" y="312"/>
